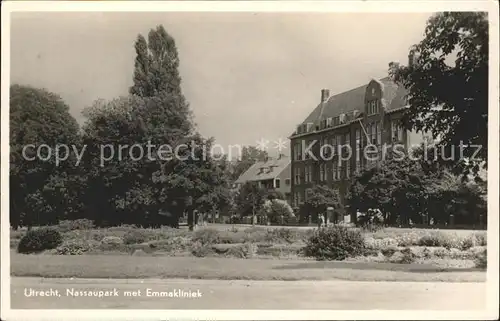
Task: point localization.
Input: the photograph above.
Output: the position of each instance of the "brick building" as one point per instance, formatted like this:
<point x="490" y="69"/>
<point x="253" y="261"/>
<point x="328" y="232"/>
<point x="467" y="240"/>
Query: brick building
<point x="363" y="115"/>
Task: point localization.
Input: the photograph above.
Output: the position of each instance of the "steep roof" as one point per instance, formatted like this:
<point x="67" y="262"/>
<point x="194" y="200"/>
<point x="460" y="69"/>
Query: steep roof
<point x="348" y="101"/>
<point x="254" y="173"/>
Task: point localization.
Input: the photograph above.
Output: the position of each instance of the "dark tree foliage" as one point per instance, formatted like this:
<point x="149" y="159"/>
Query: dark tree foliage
<point x="450" y="100"/>
<point x="41" y="191"/>
<point x="319" y="198"/>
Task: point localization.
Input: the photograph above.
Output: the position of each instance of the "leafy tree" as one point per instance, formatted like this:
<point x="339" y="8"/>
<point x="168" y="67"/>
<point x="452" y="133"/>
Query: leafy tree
<point x="250" y="199"/>
<point x="249" y="156"/>
<point x="396" y="188"/>
<point x="275" y="208"/>
<point x="319" y="198"/>
<point x="450" y="195"/>
<point x="156" y="65"/>
<point x="41" y="191"/>
<point x="450" y="102"/>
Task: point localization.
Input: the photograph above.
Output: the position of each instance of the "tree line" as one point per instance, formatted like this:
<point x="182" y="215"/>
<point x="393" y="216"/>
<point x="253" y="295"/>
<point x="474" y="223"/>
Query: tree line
<point x="157" y="192"/>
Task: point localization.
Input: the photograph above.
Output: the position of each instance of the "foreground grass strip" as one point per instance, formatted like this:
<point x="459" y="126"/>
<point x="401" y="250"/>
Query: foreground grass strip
<point x="104" y="266"/>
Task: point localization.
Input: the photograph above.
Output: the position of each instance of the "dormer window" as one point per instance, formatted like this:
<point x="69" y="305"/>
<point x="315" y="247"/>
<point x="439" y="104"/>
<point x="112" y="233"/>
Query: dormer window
<point x="336" y="121"/>
<point x="373" y="107"/>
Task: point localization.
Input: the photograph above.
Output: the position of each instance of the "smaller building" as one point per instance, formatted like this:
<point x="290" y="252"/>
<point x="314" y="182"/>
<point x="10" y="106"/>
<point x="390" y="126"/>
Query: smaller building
<point x="272" y="174"/>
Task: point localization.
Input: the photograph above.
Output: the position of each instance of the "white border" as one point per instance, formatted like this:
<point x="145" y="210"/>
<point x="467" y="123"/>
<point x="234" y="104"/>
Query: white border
<point x="259" y="6"/>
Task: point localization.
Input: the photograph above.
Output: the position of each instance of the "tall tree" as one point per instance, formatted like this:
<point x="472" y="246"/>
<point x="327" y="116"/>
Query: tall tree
<point x="41" y="191"/>
<point x="156" y="65"/>
<point x="319" y="198"/>
<point x="450" y="101"/>
<point x="250" y="199"/>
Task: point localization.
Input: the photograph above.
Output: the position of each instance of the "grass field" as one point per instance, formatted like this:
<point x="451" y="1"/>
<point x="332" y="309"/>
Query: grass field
<point x="219" y="251"/>
<point x="125" y="266"/>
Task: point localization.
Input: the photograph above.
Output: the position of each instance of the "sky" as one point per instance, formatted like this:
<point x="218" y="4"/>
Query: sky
<point x="247" y="76"/>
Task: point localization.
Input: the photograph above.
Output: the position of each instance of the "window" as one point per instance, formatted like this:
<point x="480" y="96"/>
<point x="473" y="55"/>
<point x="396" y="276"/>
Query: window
<point x="373" y="134"/>
<point x="277" y="182"/>
<point x="379" y="134"/>
<point x="308" y="173"/>
<point x="347" y="143"/>
<point x="339" y="170"/>
<point x="297" y="176"/>
<point x="298" y="150"/>
<point x="373" y="107"/>
<point x="334" y="170"/>
<point x="321" y="171"/>
<point x="396" y="131"/>
<point x="334" y="145"/>
<point x="297" y="200"/>
<point x="287" y="181"/>
<point x="336" y="121"/>
<point x="347" y="168"/>
<point x="358" y="150"/>
<point x="339" y="144"/>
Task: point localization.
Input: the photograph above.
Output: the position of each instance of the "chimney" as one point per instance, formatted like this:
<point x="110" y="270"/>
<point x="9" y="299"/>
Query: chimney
<point x="412" y="58"/>
<point x="393" y="67"/>
<point x="325" y="94"/>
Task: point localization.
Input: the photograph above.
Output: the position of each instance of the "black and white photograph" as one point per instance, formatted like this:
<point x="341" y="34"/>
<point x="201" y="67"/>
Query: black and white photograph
<point x="222" y="160"/>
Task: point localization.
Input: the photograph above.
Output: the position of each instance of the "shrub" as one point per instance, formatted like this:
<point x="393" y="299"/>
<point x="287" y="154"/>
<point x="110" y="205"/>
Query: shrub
<point x="405" y="256"/>
<point x="441" y="252"/>
<point x="38" y="240"/>
<point x="76" y="247"/>
<point x="481" y="239"/>
<point x="206" y="236"/>
<point x="201" y="250"/>
<point x="276" y="208"/>
<point x="334" y="243"/>
<point x="135" y="237"/>
<point x="481" y="260"/>
<point x="281" y="234"/>
<point x="379" y="244"/>
<point x="80" y="224"/>
<point x="389" y="251"/>
<point x="438" y="239"/>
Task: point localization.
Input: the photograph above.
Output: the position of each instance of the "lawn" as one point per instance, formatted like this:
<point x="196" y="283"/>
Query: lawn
<point x="126" y="266"/>
<point x="245" y="252"/>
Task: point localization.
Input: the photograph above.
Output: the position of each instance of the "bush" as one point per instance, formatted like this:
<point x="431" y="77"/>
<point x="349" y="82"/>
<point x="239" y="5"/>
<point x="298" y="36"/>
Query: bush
<point x="135" y="237"/>
<point x="481" y="239"/>
<point x="334" y="243"/>
<point x="76" y="247"/>
<point x="80" y="224"/>
<point x="481" y="260"/>
<point x="206" y="236"/>
<point x="281" y="234"/>
<point x="276" y="208"/>
<point x="38" y="240"/>
<point x="436" y="239"/>
<point x="389" y="251"/>
<point x="405" y="256"/>
<point x="201" y="250"/>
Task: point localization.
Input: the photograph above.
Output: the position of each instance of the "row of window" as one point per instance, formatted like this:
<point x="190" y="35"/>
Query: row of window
<point x="337" y="172"/>
<point x="373" y="107"/>
<point x="373" y="135"/>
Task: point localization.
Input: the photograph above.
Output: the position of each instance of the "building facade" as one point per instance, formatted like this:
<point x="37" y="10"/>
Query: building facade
<point x="272" y="174"/>
<point x="331" y="144"/>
